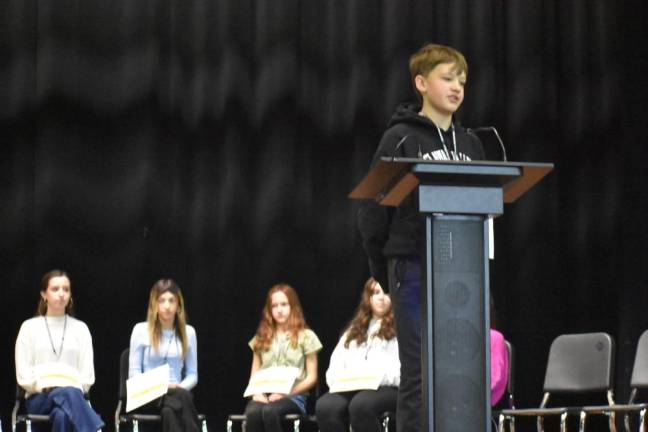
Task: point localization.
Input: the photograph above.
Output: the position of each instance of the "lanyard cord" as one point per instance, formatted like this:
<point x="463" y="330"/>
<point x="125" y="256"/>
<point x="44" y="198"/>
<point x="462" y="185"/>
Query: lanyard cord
<point x="60" y="351"/>
<point x="171" y="338"/>
<point x="453" y="155"/>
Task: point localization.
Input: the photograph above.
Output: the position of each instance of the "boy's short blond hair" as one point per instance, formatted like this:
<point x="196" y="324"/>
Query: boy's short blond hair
<point x="431" y="55"/>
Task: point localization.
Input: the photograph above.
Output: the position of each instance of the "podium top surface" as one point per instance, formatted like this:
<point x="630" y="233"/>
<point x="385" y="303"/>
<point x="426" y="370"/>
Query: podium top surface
<point x="393" y="179"/>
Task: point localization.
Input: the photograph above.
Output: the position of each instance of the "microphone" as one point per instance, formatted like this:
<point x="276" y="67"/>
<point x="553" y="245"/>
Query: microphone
<point x="494" y="131"/>
<point x="398" y="145"/>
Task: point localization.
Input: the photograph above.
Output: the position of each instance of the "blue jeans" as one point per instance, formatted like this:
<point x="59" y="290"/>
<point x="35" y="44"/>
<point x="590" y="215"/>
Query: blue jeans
<point x="405" y="288"/>
<point x="67" y="408"/>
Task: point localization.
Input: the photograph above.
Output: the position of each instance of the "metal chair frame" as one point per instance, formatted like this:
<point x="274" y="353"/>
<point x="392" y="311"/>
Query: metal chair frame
<point x="577" y="363"/>
<point x="295" y="419"/>
<point x="638" y="381"/>
<point x="17" y="417"/>
<point x="510" y="391"/>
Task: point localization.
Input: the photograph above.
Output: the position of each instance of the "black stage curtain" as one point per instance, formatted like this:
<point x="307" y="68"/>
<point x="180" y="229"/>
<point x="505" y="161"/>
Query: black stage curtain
<point x="215" y="142"/>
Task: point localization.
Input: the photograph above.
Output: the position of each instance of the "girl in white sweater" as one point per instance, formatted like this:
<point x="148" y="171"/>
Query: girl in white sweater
<point x="54" y="360"/>
<point x="368" y="348"/>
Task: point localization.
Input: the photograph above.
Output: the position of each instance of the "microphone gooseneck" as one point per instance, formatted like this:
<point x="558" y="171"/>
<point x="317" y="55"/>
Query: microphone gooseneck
<point x="497" y="135"/>
<point x="398" y="146"/>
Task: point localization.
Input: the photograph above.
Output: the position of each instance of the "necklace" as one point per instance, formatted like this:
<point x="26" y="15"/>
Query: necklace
<point x="49" y="334"/>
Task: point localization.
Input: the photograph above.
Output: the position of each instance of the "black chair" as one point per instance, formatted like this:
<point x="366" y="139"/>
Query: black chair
<point x="295" y="420"/>
<point x="135" y="418"/>
<point x="578" y="364"/>
<point x="509" y="396"/>
<point x="638" y="383"/>
<point x="19" y="416"/>
<point x="386" y="418"/>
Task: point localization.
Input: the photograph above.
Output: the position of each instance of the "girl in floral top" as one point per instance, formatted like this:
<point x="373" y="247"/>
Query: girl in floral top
<point x="282" y="339"/>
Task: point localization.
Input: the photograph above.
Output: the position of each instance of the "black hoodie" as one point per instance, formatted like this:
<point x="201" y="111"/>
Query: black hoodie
<point x="389" y="232"/>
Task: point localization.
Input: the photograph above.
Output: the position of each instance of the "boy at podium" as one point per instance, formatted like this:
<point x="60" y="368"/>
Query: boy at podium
<point x="393" y="237"/>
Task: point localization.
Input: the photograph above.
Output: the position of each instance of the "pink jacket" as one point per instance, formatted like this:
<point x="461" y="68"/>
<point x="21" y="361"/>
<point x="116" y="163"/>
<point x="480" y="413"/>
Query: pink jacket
<point x="499" y="366"/>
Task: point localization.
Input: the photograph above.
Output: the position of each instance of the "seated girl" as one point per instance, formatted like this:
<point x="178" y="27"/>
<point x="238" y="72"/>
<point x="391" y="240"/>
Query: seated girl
<point x="166" y="338"/>
<point x="369" y="347"/>
<point x="54" y="360"/>
<point x="282" y="339"/>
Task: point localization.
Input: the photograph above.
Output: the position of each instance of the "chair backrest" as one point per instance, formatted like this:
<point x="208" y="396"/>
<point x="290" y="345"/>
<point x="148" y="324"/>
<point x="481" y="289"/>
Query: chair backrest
<point x="20" y="392"/>
<point x="510" y="384"/>
<point x="640" y="369"/>
<point x="580" y="363"/>
<point x="123" y="373"/>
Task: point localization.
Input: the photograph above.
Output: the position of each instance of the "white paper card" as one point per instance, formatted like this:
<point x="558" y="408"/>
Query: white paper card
<point x="362" y="378"/>
<point x="276" y="379"/>
<point x="143" y="388"/>
<point x="491" y="238"/>
<point x="56" y="375"/>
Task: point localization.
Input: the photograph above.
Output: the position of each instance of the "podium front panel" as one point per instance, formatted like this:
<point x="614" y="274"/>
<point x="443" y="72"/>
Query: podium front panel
<point x="476" y="200"/>
<point x="455" y="333"/>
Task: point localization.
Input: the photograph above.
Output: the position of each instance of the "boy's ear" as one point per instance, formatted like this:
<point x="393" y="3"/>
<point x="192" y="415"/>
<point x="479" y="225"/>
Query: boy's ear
<point x="421" y="84"/>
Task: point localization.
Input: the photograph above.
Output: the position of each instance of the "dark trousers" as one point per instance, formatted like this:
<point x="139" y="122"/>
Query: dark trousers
<point x="261" y="417"/>
<point x="361" y="409"/>
<point x="405" y="288"/>
<point x="68" y="409"/>
<point x="177" y="411"/>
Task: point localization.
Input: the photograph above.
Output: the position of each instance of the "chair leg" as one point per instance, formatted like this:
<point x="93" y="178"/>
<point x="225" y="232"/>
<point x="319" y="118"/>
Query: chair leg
<point x="28" y="425"/>
<point x="540" y="424"/>
<point x="204" y="426"/>
<point x="385" y="424"/>
<point x="500" y="423"/>
<point x="296" y="425"/>
<point x="563" y="422"/>
<point x="642" y="420"/>
<point x="135" y="426"/>
<point x="612" y="422"/>
<point x="581" y="422"/>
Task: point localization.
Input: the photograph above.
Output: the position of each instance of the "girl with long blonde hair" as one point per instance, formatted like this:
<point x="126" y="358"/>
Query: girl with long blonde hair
<point x="166" y="338"/>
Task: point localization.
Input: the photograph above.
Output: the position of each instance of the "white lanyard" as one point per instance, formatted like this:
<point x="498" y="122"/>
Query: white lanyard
<point x="453" y="155"/>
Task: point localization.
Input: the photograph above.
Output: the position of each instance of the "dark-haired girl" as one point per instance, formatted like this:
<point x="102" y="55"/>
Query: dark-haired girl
<point x="369" y="344"/>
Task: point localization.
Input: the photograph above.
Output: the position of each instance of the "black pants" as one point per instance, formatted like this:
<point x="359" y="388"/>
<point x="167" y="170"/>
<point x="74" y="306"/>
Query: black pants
<point x="261" y="417"/>
<point x="177" y="410"/>
<point x="405" y="289"/>
<point x="362" y="409"/>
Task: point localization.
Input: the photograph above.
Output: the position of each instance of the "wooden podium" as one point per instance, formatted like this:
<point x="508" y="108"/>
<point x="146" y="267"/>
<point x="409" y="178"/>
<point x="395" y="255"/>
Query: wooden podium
<point x="456" y="199"/>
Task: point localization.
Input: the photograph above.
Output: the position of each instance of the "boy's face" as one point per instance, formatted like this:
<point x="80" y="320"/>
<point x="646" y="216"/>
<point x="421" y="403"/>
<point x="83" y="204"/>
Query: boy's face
<point x="442" y="89"/>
